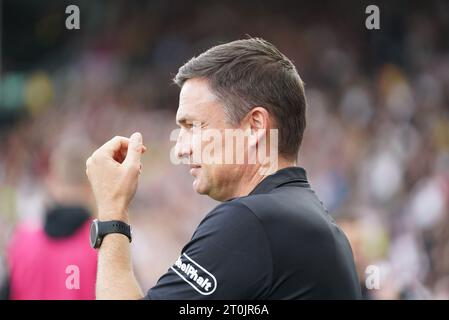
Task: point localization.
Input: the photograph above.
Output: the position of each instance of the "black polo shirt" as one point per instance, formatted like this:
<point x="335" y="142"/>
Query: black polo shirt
<point x="276" y="243"/>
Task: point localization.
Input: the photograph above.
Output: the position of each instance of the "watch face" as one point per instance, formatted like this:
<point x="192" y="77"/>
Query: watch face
<point x="94" y="234"/>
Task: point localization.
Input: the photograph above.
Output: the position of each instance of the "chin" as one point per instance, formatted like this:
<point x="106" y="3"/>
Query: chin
<point x="198" y="187"/>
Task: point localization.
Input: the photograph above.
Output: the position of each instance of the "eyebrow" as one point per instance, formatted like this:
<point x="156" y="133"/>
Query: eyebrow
<point x="185" y="118"/>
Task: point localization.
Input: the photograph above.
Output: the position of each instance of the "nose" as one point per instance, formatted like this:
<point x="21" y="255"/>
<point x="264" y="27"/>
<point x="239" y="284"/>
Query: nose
<point x="183" y="146"/>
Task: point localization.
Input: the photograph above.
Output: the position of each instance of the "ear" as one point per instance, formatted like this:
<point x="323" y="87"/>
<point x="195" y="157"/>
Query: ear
<point x="258" y="119"/>
<point x="257" y="123"/>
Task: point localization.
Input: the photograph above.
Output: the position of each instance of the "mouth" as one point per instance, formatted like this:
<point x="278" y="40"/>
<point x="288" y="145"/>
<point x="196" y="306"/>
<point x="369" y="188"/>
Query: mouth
<point x="194" y="168"/>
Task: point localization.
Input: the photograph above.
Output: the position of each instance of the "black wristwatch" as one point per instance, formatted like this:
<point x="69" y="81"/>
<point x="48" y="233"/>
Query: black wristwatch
<point x="99" y="229"/>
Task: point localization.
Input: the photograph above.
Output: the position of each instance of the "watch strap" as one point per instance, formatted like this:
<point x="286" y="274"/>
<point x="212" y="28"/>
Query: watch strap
<point x="114" y="226"/>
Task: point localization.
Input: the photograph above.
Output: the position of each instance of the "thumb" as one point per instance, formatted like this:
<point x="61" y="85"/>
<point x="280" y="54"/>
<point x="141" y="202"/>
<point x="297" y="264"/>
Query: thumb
<point x="134" y="150"/>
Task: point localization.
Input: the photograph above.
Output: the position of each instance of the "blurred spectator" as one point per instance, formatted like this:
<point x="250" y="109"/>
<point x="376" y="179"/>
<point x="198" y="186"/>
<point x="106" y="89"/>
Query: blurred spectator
<point x="55" y="261"/>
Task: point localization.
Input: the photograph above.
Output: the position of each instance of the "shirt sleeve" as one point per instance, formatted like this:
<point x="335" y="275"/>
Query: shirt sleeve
<point x="228" y="257"/>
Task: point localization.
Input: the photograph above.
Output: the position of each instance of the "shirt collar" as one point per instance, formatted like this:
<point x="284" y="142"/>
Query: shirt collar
<point x="281" y="177"/>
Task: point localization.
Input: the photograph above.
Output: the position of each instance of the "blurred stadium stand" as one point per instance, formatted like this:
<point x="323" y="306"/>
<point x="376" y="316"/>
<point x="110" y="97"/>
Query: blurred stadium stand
<point x="376" y="146"/>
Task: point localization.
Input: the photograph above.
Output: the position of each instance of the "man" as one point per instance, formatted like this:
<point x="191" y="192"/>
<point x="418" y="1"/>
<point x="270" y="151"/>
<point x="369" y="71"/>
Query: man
<point x="270" y="238"/>
<point x="54" y="261"/>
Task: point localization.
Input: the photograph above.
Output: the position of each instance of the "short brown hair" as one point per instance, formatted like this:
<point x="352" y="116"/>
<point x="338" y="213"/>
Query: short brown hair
<point x="247" y="73"/>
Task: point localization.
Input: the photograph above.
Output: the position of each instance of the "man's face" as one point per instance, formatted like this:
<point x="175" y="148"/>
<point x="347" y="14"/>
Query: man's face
<point x="200" y="111"/>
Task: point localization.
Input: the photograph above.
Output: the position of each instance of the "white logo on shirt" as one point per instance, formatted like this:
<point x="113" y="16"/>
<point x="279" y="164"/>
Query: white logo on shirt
<point x="191" y="272"/>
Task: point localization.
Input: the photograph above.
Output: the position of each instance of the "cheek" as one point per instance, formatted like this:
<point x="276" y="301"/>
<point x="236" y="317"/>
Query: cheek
<point x="196" y="142"/>
<point x="216" y="174"/>
<point x="207" y="175"/>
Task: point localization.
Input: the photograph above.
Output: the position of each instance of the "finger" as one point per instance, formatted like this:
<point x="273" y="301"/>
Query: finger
<point x="135" y="148"/>
<point x="144" y="148"/>
<point x="121" y="155"/>
<point x="117" y="148"/>
<point x="113" y="146"/>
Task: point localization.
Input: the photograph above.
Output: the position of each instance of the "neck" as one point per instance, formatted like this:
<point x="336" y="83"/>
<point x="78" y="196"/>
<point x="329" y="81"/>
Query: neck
<point x="256" y="174"/>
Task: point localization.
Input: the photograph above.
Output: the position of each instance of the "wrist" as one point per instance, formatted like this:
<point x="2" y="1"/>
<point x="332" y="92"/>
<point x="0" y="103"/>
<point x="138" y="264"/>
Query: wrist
<point x="109" y="215"/>
<point x="114" y="238"/>
<point x="99" y="230"/>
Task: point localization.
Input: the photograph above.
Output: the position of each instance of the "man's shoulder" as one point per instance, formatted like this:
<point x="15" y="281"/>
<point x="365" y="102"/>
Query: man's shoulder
<point x="290" y="206"/>
<point x="230" y="219"/>
<point x="229" y="214"/>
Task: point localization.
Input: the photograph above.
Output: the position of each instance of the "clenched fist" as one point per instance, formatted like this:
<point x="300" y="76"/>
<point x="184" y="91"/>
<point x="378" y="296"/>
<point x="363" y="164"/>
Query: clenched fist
<point x="113" y="171"/>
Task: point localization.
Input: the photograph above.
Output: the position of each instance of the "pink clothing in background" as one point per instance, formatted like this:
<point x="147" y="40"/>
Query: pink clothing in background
<point x="46" y="268"/>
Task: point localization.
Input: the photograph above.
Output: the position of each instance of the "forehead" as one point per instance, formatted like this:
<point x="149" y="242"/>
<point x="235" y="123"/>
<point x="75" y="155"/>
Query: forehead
<point x="196" y="100"/>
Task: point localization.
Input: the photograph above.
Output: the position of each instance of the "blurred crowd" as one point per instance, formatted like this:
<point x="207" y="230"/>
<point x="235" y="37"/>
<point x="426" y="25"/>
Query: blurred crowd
<point x="376" y="147"/>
